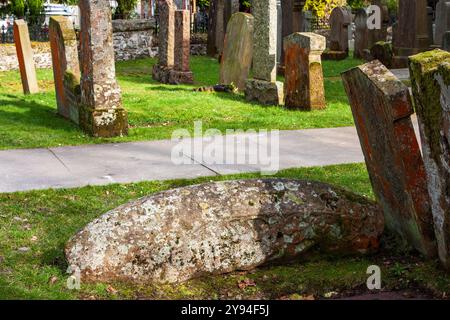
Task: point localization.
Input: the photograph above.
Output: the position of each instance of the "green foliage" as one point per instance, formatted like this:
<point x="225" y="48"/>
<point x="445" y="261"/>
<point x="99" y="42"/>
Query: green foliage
<point x="22" y="8"/>
<point x="125" y="7"/>
<point x="322" y="8"/>
<point x="17" y="8"/>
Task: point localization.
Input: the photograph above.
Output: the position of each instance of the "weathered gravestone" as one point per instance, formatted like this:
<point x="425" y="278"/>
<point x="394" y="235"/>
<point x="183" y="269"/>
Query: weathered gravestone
<point x="442" y="20"/>
<point x="221" y="227"/>
<point x="340" y="20"/>
<point x="381" y="106"/>
<point x="216" y="28"/>
<point x="263" y="87"/>
<point x="361" y="34"/>
<point x="166" y="41"/>
<point x="25" y="57"/>
<point x="410" y="34"/>
<point x="382" y="51"/>
<point x="238" y="50"/>
<point x="181" y="72"/>
<point x="446" y="41"/>
<point x="66" y="67"/>
<point x="303" y="75"/>
<point x="101" y="110"/>
<point x="430" y="77"/>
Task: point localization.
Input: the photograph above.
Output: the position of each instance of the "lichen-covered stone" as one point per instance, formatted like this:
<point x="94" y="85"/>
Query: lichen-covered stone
<point x="25" y="57"/>
<point x="430" y="78"/>
<point x="101" y="111"/>
<point x="66" y="67"/>
<point x="268" y="93"/>
<point x="221" y="227"/>
<point x="381" y="106"/>
<point x="303" y="84"/>
<point x="238" y="50"/>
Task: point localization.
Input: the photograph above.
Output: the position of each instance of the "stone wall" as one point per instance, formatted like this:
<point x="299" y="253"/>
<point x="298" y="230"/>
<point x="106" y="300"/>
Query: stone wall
<point x="8" y="57"/>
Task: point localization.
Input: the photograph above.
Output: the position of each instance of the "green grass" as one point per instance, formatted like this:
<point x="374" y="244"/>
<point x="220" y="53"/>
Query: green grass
<point x="155" y="110"/>
<point x="44" y="220"/>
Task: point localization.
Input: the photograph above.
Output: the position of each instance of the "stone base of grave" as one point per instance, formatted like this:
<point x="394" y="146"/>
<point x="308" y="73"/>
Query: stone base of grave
<point x="265" y="92"/>
<point x="334" y="55"/>
<point x="104" y="122"/>
<point x="161" y="73"/>
<point x="178" y="77"/>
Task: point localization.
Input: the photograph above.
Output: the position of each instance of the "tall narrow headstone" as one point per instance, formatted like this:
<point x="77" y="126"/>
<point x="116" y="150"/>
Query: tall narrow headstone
<point x="303" y="74"/>
<point x="361" y="34"/>
<point x="230" y="7"/>
<point x="263" y="87"/>
<point x="181" y="72"/>
<point x="446" y="41"/>
<point x="430" y="74"/>
<point x="411" y="31"/>
<point x="166" y="41"/>
<point x="340" y="20"/>
<point x="238" y="50"/>
<point x="216" y="28"/>
<point x="66" y="67"/>
<point x="291" y="21"/>
<point x="381" y="106"/>
<point x="442" y="20"/>
<point x="25" y="57"/>
<point x="101" y="110"/>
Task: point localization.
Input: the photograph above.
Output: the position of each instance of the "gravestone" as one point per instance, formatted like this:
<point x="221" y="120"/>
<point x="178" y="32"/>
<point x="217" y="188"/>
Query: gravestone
<point x="411" y="31"/>
<point x="25" y="57"/>
<point x="166" y="41"/>
<point x="340" y="20"/>
<point x="216" y="28"/>
<point x="291" y="21"/>
<point x="379" y="34"/>
<point x="382" y="109"/>
<point x="442" y="20"/>
<point x="181" y="72"/>
<point x="303" y="75"/>
<point x="263" y="87"/>
<point x="430" y="21"/>
<point x="221" y="227"/>
<point x="382" y="51"/>
<point x="446" y="41"/>
<point x="430" y="74"/>
<point x="361" y="34"/>
<point x="230" y="7"/>
<point x="238" y="50"/>
<point x="101" y="110"/>
<point x="66" y="67"/>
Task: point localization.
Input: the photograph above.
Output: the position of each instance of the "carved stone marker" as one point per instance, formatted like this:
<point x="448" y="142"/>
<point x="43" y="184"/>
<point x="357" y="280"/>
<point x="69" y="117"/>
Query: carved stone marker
<point x="101" y="111"/>
<point x="66" y="67"/>
<point x="264" y="88"/>
<point x="361" y="34"/>
<point x="303" y="75"/>
<point x="238" y="50"/>
<point x="410" y="35"/>
<point x="25" y="57"/>
<point x="430" y="74"/>
<point x="181" y="72"/>
<point x="381" y="106"/>
<point x="340" y="20"/>
<point x="442" y="20"/>
<point x="220" y="227"/>
<point x="166" y="40"/>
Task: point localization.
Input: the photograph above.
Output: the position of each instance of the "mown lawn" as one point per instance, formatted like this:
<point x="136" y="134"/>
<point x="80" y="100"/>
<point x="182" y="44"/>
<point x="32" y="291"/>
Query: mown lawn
<point x="155" y="110"/>
<point x="34" y="226"/>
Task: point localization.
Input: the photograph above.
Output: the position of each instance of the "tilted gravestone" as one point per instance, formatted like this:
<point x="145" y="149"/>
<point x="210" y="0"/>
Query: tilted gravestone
<point x="263" y="87"/>
<point x="181" y="72"/>
<point x="25" y="57"/>
<point x="381" y="106"/>
<point x="361" y="34"/>
<point x="66" y="67"/>
<point x="430" y="74"/>
<point x="238" y="50"/>
<point x="303" y="75"/>
<point x="410" y="34"/>
<point x="340" y="20"/>
<point x="101" y="110"/>
<point x="442" y="20"/>
<point x="166" y="41"/>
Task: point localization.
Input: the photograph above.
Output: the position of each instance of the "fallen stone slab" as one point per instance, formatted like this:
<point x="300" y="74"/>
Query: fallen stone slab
<point x="221" y="227"/>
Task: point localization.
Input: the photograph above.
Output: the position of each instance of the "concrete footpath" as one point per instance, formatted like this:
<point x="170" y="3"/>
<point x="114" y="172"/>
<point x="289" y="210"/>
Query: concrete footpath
<point x="63" y="167"/>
